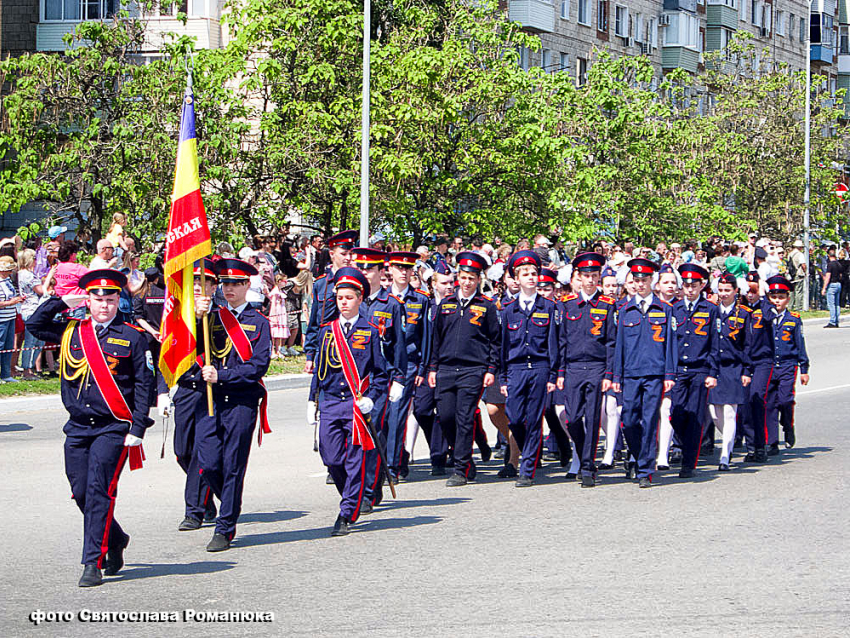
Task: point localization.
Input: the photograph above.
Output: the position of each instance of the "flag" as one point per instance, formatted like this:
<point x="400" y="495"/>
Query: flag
<point x="187" y="241"/>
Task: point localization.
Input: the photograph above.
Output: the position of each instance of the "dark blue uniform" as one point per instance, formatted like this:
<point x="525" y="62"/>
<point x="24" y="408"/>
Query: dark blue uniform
<point x="465" y="348"/>
<point x="224" y="439"/>
<point x="322" y="311"/>
<point x="762" y="358"/>
<point x="94" y="439"/>
<point x="425" y="401"/>
<point x="644" y="357"/>
<point x="415" y="306"/>
<point x="385" y="313"/>
<point x="345" y="461"/>
<point x="529" y="360"/>
<point x="697" y="349"/>
<point x="587" y="346"/>
<point x="733" y="356"/>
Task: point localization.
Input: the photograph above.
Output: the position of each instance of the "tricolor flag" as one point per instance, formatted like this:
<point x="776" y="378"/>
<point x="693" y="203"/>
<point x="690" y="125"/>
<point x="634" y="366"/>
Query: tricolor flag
<point x="188" y="240"/>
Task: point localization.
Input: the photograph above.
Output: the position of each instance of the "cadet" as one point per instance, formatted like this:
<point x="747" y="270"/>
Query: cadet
<point x="415" y="306"/>
<point x="464" y="361"/>
<point x="776" y="393"/>
<point x="668" y="287"/>
<point x="644" y="367"/>
<point x="385" y="313"/>
<point x="735" y="370"/>
<point x="529" y="360"/>
<point x="147" y="312"/>
<point x="107" y="379"/>
<point x="587" y="346"/>
<point x="696" y="325"/>
<point x="241" y="352"/>
<point x="190" y="405"/>
<point x="324" y="308"/>
<point x="349" y="378"/>
<point x="612" y="402"/>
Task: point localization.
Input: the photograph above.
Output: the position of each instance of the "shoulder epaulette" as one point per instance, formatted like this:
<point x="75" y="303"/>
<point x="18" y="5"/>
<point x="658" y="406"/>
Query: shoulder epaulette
<point x="607" y="299"/>
<point x="421" y="292"/>
<point x="134" y="327"/>
<point x="326" y="324"/>
<point x="551" y="301"/>
<point x="485" y="296"/>
<point x="713" y="303"/>
<point x="570" y="297"/>
<point x="401" y="301"/>
<point x="319" y="278"/>
<point x="665" y="302"/>
<point x="794" y="314"/>
<point x="745" y="308"/>
<point x="509" y="302"/>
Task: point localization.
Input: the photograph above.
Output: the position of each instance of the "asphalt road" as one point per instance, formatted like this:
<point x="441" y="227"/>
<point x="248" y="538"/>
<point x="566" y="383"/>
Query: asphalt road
<point x="758" y="551"/>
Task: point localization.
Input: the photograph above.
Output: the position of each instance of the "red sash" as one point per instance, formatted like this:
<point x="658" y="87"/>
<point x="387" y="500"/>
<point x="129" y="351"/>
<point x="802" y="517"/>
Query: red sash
<point x="107" y="386"/>
<point x="360" y="433"/>
<point x="243" y="348"/>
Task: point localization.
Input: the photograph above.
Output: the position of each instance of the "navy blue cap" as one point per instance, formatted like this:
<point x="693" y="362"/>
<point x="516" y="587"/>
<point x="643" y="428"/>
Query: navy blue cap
<point x="666" y="269"/>
<point x="442" y="268"/>
<point x="103" y="281"/>
<point x="753" y="276"/>
<point x="523" y="258"/>
<point x="641" y="267"/>
<point x="778" y="283"/>
<point x="588" y="262"/>
<point x="349" y="277"/>
<point x="608" y="272"/>
<point x="728" y="278"/>
<point x="209" y="268"/>
<point x="547" y="277"/>
<point x="368" y="257"/>
<point x="693" y="272"/>
<point x="471" y="262"/>
<point x="234" y="270"/>
<point x="343" y="239"/>
<point x="760" y="253"/>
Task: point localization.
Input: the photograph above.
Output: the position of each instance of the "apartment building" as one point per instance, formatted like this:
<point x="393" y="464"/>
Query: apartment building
<point x="18" y="23"/>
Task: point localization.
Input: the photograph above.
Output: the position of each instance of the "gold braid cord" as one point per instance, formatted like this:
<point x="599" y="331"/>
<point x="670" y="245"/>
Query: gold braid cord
<point x="328" y="356"/>
<point x="71" y="368"/>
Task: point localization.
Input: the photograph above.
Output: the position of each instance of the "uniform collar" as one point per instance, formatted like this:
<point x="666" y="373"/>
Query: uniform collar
<point x="102" y="326"/>
<point x="523" y="299"/>
<point x="583" y="298"/>
<point x="237" y="311"/>
<point x="463" y="299"/>
<point x="649" y="300"/>
<point x="727" y="310"/>
<point x="402" y="293"/>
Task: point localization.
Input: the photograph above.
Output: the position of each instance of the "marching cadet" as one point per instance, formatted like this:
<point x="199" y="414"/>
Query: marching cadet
<point x="324" y="308"/>
<point x="350" y="376"/>
<point x="667" y="287"/>
<point x="464" y="362"/>
<point x="424" y="399"/>
<point x="762" y="359"/>
<point x="529" y="360"/>
<point x="751" y="299"/>
<point x="385" y="313"/>
<point x="190" y="404"/>
<point x="107" y="378"/>
<point x="735" y="372"/>
<point x="644" y="367"/>
<point x="587" y="348"/>
<point x="696" y="325"/>
<point x="612" y="402"/>
<point x="776" y="392"/>
<point x="415" y="306"/>
<point x="241" y="352"/>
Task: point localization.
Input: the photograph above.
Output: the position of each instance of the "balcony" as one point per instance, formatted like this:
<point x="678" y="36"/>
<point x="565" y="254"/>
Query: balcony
<point x="206" y="31"/>
<point x="681" y="5"/>
<point x="537" y="16"/>
<point x="719" y="15"/>
<point x="844" y="67"/>
<point x="822" y="54"/>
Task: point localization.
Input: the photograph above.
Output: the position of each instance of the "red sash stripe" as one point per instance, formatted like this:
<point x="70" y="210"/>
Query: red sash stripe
<point x="103" y="378"/>
<point x="359" y="433"/>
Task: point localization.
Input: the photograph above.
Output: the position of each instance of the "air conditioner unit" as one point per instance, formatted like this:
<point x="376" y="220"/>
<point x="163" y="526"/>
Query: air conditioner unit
<point x="764" y="32"/>
<point x="644" y="48"/>
<point x="664" y="20"/>
<point x="629" y="42"/>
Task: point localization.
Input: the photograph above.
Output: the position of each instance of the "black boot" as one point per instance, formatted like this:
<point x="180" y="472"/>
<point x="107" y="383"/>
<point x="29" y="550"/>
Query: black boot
<point x="115" y="558"/>
<point x="91" y="576"/>
<point x="342" y="526"/>
<point x="790" y="438"/>
<point x="219" y="543"/>
<point x="189" y="524"/>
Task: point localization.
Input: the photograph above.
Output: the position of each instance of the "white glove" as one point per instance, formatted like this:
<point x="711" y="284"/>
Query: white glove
<point x="312" y="413"/>
<point x="395" y="391"/>
<point x="365" y="405"/>
<point x="72" y="301"/>
<point x="132" y="441"/>
<point x="163" y="405"/>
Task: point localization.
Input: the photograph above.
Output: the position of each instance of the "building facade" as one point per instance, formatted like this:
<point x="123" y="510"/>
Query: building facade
<point x="18" y="24"/>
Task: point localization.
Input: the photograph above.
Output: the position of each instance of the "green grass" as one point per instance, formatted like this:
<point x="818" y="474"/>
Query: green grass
<point x="819" y="314"/>
<point x="290" y="365"/>
<point x="24" y="388"/>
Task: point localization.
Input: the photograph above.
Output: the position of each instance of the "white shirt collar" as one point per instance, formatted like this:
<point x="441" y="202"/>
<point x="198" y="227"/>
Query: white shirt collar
<point x="524" y="299"/>
<point x="98" y="326"/>
<point x="375" y="294"/>
<point x="647" y="299"/>
<point x="463" y="299"/>
<point x="585" y="296"/>
<point x="726" y="309"/>
<point x="237" y="311"/>
<point x="401" y="294"/>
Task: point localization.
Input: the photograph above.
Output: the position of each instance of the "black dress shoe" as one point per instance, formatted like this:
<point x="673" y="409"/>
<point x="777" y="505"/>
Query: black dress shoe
<point x="750" y="457"/>
<point x="91" y="576"/>
<point x="342" y="527"/>
<point x="571" y="476"/>
<point x="790" y="438"/>
<point x="631" y="470"/>
<point x="329" y="480"/>
<point x="114" y="560"/>
<point x="618" y="456"/>
<point x="509" y="471"/>
<point x="438" y="471"/>
<point x="456" y="480"/>
<point x="606" y="466"/>
<point x="773" y="450"/>
<point x="366" y="508"/>
<point x="686" y="472"/>
<point x="661" y="468"/>
<point x="760" y="456"/>
<point x="524" y="481"/>
<point x="551" y="456"/>
<point x="486" y="452"/>
<point x="724" y="467"/>
<point x="588" y="480"/>
<point x="189" y="524"/>
<point x="219" y="543"/>
<point x="210" y="514"/>
<point x="646" y="482"/>
<point x="499" y="454"/>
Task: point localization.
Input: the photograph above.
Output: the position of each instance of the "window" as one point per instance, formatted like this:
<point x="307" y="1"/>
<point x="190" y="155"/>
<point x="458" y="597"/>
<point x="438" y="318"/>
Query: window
<point x="76" y="10"/>
<point x="791" y="25"/>
<point x="732" y="4"/>
<point x="683" y="31"/>
<point x="802" y="29"/>
<point x="565" y="62"/>
<point x="726" y="36"/>
<point x="523" y="58"/>
<point x="822" y="30"/>
<point x="621" y="21"/>
<point x="755" y="12"/>
<point x="638" y="22"/>
<point x="581" y="71"/>
<point x="844" y="40"/>
<point x="780" y="23"/>
<point x="565" y="9"/>
<point x="584" y="12"/>
<point x="546" y="61"/>
<point x="652" y="33"/>
<point x="602" y="15"/>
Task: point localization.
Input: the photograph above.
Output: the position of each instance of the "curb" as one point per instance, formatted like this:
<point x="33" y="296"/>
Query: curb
<point x="54" y="401"/>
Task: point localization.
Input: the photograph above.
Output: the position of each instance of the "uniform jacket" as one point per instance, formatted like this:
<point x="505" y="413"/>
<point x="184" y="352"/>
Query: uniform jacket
<point x="126" y="352"/>
<point x="416" y="327"/>
<point x="466" y="337"/>
<point x="530" y="339"/>
<point x="646" y="344"/>
<point x="234" y="375"/>
<point x="386" y="314"/>
<point x="734" y="338"/>
<point x="322" y="311"/>
<point x="364" y="341"/>
<point x="589" y="331"/>
<point x="696" y="337"/>
<point x="789" y="344"/>
<point x="761" y="334"/>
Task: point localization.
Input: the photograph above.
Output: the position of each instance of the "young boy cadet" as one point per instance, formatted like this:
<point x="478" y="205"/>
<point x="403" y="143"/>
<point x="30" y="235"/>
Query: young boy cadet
<point x="529" y="360"/>
<point x="350" y="375"/>
<point x="644" y="367"/>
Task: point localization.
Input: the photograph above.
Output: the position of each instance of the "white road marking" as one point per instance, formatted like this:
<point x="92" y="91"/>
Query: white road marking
<point x="835" y="387"/>
<point x="319" y="475"/>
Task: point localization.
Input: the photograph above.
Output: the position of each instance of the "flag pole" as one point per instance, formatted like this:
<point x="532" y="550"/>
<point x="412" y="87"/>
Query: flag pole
<point x="190" y="65"/>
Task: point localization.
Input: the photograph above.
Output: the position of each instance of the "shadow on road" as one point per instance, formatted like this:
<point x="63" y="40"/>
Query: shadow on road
<point x="271" y="517"/>
<point x="389" y="506"/>
<point x="135" y="571"/>
<point x="796" y="453"/>
<point x="14" y="427"/>
<point x="363" y="525"/>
